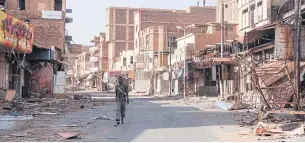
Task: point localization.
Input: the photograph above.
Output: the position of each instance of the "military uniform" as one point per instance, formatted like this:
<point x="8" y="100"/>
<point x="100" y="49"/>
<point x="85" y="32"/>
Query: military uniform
<point x="121" y="92"/>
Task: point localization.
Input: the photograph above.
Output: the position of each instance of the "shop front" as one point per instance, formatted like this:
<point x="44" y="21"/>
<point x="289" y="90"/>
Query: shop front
<point x="16" y="40"/>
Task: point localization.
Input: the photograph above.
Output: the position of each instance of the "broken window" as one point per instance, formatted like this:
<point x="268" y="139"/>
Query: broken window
<point x="58" y="5"/>
<point x="21" y="4"/>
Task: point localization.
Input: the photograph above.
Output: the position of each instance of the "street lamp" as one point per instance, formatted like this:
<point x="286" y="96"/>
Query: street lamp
<point x="184" y="46"/>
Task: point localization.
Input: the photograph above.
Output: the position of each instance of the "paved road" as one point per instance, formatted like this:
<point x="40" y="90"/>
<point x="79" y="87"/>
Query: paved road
<point x="149" y="120"/>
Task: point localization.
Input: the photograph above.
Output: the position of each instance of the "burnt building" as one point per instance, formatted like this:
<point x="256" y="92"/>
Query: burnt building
<point x="44" y="63"/>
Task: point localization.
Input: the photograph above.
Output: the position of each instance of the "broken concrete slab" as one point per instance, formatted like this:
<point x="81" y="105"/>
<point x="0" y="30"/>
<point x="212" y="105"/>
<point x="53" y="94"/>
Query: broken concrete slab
<point x="104" y="117"/>
<point x="69" y="135"/>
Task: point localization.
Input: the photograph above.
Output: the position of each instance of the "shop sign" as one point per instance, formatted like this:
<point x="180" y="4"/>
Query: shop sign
<point x="15" y="33"/>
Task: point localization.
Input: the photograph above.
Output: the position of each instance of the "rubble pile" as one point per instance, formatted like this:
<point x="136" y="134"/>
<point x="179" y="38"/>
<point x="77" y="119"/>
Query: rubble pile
<point x="46" y="106"/>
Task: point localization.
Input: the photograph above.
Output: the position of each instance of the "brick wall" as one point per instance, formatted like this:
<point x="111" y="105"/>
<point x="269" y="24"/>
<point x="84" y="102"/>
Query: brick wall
<point x="36" y="5"/>
<point x="47" y="32"/>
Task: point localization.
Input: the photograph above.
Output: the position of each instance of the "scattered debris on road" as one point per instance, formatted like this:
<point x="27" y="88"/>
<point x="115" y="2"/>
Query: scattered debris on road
<point x="104" y="117"/>
<point x="69" y="135"/>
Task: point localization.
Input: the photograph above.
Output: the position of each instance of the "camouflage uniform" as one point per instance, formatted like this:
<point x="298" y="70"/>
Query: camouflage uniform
<point x="121" y="92"/>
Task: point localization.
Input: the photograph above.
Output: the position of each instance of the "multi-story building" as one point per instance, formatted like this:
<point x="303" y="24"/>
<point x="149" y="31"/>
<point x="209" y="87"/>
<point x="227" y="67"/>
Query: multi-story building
<point x="152" y="31"/>
<point x="124" y="24"/>
<point x="189" y="45"/>
<point x="48" y="19"/>
<point x="170" y="20"/>
<point x="230" y="10"/>
<point x="256" y="13"/>
<point x="82" y="71"/>
<point x="73" y="51"/>
<point x="99" y="60"/>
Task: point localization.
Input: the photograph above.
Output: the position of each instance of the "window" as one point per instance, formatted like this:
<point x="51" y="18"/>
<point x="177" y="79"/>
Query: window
<point x="58" y="5"/>
<point x="259" y="11"/>
<point x="21" y="4"/>
<point x="131" y="60"/>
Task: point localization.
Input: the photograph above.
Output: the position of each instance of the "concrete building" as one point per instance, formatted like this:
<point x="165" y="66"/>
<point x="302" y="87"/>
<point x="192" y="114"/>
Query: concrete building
<point x="256" y="13"/>
<point x="231" y="14"/>
<point x="188" y="46"/>
<point x="99" y="61"/>
<point x="82" y="71"/>
<point x="48" y="19"/>
<point x="123" y="25"/>
<point x="170" y="20"/>
<point x="152" y="30"/>
<point x="73" y="51"/>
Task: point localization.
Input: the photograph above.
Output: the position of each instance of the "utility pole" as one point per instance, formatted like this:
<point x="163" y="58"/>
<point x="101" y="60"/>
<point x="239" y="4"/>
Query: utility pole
<point x="296" y="98"/>
<point x="170" y="66"/>
<point x="184" y="76"/>
<point x="222" y="47"/>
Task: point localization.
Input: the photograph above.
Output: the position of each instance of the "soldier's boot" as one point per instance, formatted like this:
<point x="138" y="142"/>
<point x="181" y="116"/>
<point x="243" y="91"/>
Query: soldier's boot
<point x="122" y="120"/>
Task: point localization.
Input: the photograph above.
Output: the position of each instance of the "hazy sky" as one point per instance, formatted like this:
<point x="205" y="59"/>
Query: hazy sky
<point x="89" y="16"/>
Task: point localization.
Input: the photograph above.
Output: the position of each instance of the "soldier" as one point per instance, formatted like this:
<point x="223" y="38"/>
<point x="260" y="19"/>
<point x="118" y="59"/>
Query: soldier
<point x="121" y="95"/>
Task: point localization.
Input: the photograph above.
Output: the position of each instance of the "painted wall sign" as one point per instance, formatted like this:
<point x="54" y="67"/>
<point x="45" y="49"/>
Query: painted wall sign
<point x="15" y="33"/>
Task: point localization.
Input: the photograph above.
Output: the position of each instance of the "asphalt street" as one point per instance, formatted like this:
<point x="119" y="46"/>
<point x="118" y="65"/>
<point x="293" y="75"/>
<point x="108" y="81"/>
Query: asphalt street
<point x="149" y="120"/>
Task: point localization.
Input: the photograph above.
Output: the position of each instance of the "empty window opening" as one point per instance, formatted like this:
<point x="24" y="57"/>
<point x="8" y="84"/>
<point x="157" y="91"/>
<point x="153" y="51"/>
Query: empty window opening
<point x="58" y="5"/>
<point x="21" y="4"/>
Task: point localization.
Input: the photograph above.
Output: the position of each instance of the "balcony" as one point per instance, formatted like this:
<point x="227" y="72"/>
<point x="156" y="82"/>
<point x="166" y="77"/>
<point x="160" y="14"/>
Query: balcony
<point x="93" y="59"/>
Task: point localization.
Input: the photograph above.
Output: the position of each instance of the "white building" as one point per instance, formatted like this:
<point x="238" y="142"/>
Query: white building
<point x="256" y="13"/>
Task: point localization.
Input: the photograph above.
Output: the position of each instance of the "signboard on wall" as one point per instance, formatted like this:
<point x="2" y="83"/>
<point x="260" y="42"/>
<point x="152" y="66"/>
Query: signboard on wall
<point x="15" y="33"/>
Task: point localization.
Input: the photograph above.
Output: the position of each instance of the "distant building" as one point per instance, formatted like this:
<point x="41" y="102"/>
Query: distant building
<point x="231" y="14"/>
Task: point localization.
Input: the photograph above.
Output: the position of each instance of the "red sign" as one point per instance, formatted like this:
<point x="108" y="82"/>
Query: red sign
<point x="15" y="34"/>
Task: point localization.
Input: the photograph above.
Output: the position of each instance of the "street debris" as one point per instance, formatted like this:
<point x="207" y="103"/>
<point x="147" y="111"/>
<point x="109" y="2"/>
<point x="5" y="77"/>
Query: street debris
<point x="47" y="113"/>
<point x="69" y="135"/>
<point x="104" y="117"/>
<point x="112" y="138"/>
<point x="74" y="125"/>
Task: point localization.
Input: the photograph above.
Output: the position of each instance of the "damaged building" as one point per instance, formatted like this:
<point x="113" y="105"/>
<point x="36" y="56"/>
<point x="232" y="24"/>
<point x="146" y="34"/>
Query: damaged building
<point x="37" y="69"/>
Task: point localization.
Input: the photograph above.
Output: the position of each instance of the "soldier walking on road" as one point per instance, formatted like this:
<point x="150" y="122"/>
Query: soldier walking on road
<point x="121" y="95"/>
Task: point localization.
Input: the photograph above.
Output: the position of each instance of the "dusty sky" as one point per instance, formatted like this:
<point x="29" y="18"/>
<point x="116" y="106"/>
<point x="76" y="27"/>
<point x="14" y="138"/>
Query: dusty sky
<point x="89" y="18"/>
